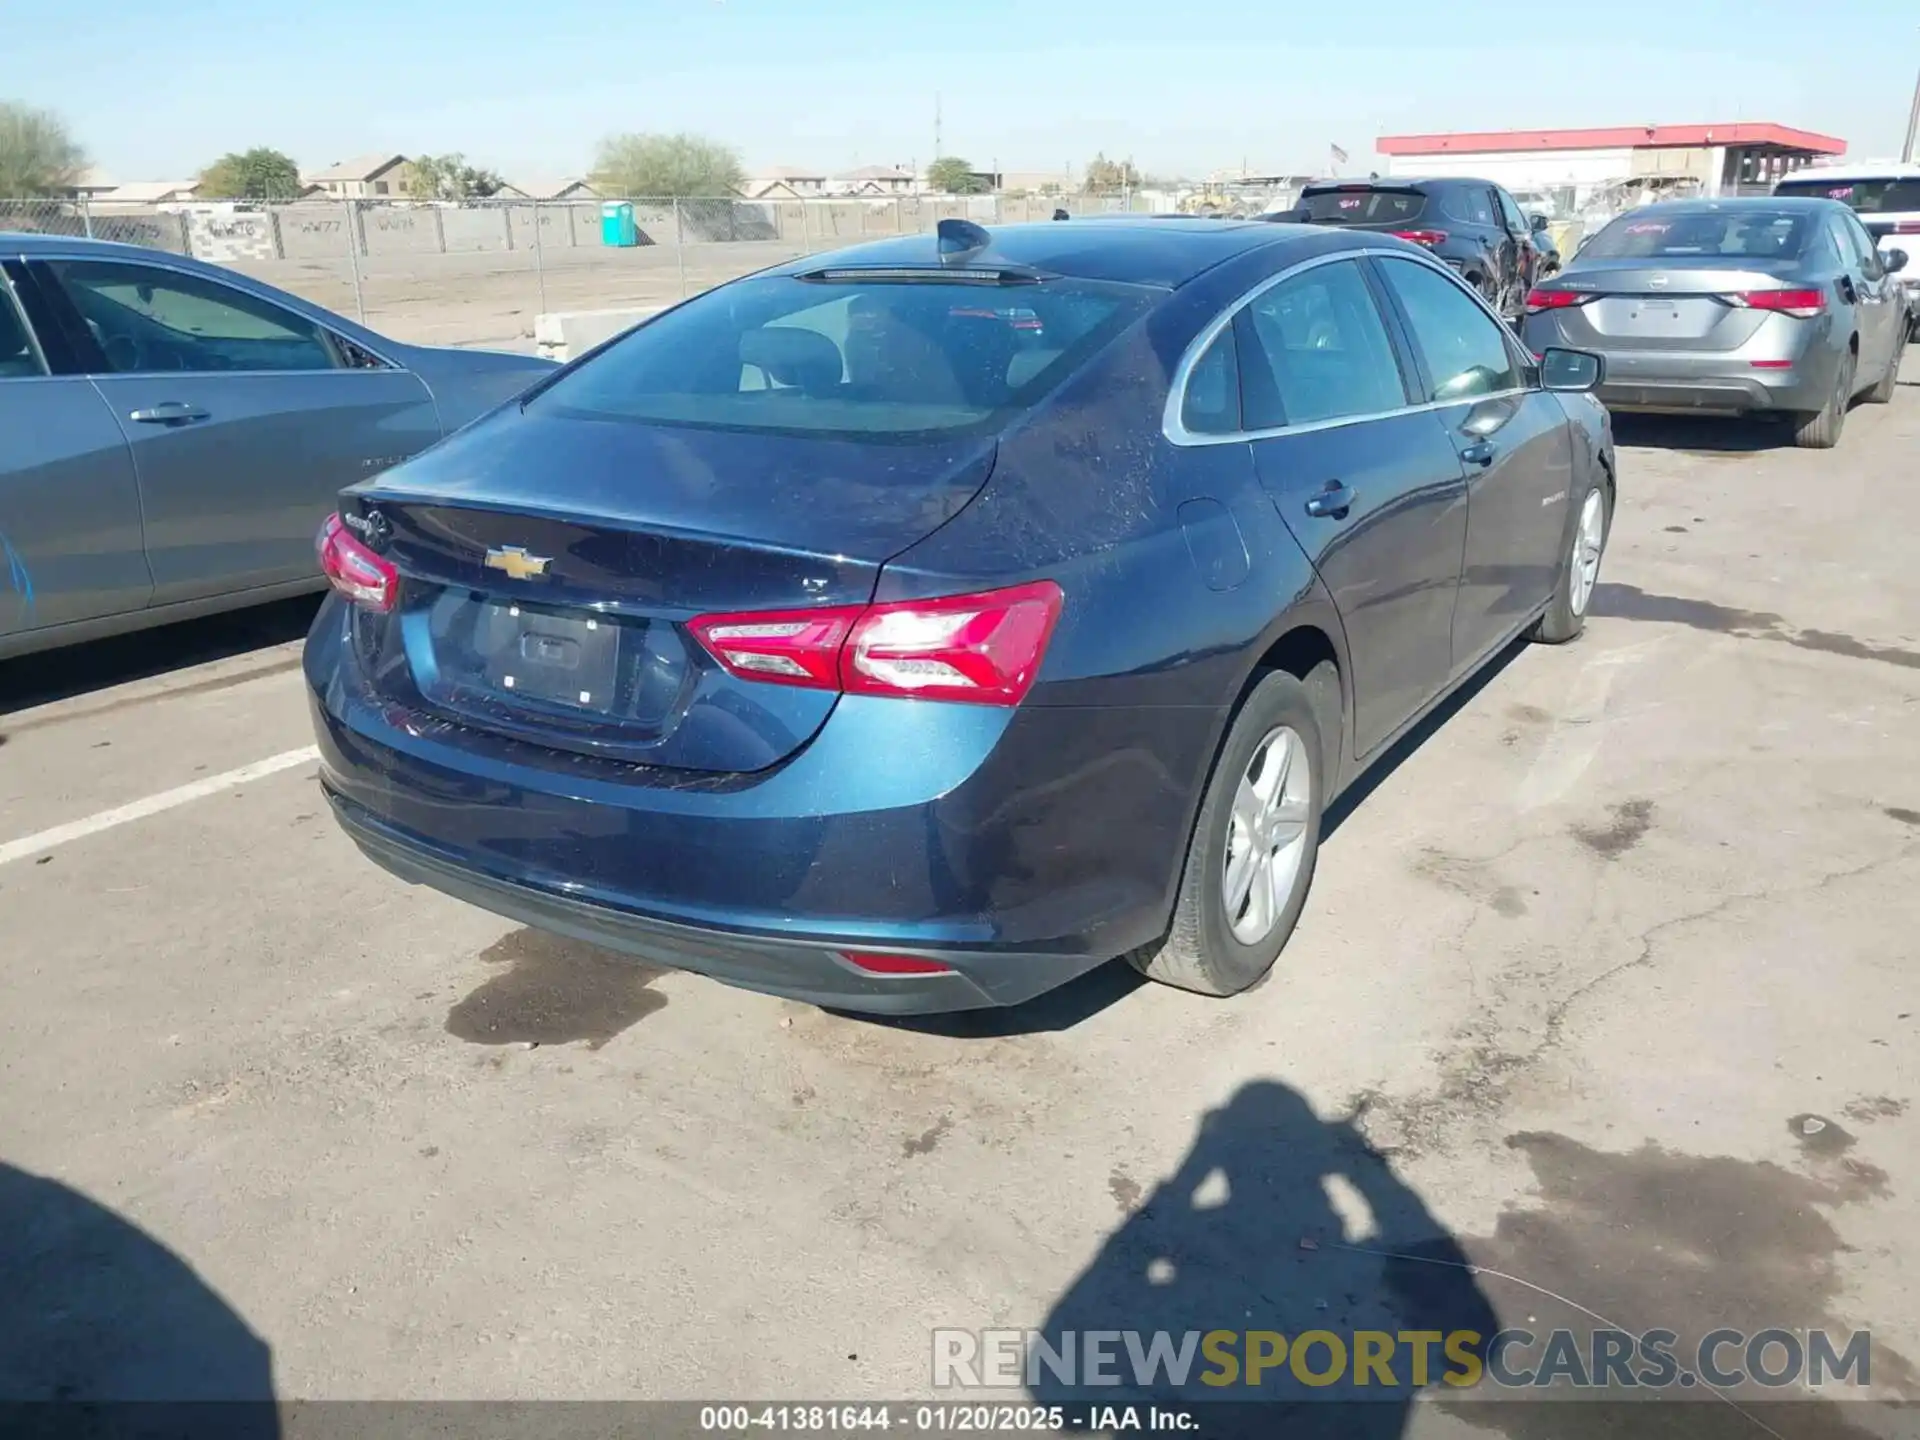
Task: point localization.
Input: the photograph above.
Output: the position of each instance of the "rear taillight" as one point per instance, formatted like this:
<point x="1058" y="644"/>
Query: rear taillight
<point x="1429" y="238"/>
<point x="790" y="647"/>
<point x="354" y="570"/>
<point x="1907" y="227"/>
<point x="1803" y="303"/>
<point x="983" y="648"/>
<point x="1539" y="299"/>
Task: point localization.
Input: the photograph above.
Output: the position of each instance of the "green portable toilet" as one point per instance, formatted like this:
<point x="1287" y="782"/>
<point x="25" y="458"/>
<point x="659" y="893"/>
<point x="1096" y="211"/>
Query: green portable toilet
<point x="616" y="224"/>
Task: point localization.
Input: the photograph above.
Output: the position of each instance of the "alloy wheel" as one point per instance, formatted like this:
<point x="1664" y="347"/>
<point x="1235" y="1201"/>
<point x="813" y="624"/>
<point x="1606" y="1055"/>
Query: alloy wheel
<point x="1589" y="537"/>
<point x="1266" y="835"/>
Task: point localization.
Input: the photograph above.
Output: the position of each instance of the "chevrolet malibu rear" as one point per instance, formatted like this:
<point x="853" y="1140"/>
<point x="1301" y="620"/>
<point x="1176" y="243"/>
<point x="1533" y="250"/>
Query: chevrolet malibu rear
<point x="1705" y="307"/>
<point x="645" y="659"/>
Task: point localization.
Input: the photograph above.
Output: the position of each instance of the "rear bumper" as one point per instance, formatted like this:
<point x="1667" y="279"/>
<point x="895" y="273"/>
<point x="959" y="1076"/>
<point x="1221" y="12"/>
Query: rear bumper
<point x="805" y="970"/>
<point x="1714" y="385"/>
<point x="1019" y="847"/>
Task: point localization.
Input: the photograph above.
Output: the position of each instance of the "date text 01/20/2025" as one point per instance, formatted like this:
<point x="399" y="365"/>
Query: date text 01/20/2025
<point x="977" y="1419"/>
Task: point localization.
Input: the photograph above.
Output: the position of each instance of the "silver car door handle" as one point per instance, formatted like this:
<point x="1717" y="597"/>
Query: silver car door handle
<point x="168" y="412"/>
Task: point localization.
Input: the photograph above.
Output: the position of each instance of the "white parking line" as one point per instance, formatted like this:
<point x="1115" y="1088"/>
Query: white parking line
<point x="46" y="840"/>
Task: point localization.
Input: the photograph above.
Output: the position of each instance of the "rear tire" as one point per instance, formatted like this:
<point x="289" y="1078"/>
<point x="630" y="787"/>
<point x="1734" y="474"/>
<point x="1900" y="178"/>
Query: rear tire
<point x="1821" y="430"/>
<point x="1585" y="546"/>
<point x="1219" y="944"/>
<point x="1882" y="393"/>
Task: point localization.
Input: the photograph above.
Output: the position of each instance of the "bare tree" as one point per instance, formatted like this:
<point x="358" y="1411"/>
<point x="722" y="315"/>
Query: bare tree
<point x="38" y="154"/>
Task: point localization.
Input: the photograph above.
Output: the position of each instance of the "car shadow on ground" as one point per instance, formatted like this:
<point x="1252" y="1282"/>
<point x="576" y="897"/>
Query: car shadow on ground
<point x="1278" y="1223"/>
<point x="1702" y="434"/>
<point x="111" y="1333"/>
<point x="1087" y="996"/>
<point x="76" y="670"/>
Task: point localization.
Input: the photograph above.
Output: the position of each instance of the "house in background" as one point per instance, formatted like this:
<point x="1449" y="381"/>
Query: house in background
<point x="871" y="180"/>
<point x="368" y="177"/>
<point x="549" y="187"/>
<point x="147" y="193"/>
<point x="91" y="184"/>
<point x="784" y="182"/>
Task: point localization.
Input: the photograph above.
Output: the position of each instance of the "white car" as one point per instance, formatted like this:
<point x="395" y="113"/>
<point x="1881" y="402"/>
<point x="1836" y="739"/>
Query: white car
<point x="1885" y="194"/>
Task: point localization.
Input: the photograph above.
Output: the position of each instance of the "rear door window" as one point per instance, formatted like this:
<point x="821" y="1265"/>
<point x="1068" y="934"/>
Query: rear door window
<point x="1318" y="351"/>
<point x="862" y="359"/>
<point x="1465" y="349"/>
<point x="1360" y="205"/>
<point x="1471" y="205"/>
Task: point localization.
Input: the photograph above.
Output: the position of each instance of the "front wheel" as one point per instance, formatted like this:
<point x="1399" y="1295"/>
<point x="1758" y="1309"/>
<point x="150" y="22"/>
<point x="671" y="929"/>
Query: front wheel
<point x="1566" y="617"/>
<point x="1250" y="861"/>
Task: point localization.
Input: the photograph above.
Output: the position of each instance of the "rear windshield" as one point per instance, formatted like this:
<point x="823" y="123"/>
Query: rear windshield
<point x="1755" y="234"/>
<point x="1868" y="197"/>
<point x="864" y="360"/>
<point x="1359" y="206"/>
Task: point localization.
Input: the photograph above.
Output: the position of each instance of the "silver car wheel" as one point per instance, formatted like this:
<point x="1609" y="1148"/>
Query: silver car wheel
<point x="1266" y="835"/>
<point x="1583" y="567"/>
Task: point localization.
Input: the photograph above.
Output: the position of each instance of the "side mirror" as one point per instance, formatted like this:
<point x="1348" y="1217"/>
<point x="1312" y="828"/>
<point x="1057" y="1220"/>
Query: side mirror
<point x="1537" y="222"/>
<point x="1571" y="370"/>
<point x="1895" y="261"/>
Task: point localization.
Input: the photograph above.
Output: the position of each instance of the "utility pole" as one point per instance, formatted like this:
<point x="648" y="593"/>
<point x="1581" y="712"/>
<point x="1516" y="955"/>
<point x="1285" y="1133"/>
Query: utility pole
<point x="1913" y="126"/>
<point x="937" y="151"/>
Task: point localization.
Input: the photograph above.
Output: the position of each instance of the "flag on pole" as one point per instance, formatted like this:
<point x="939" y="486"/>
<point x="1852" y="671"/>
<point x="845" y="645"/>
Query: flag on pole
<point x="1339" y="155"/>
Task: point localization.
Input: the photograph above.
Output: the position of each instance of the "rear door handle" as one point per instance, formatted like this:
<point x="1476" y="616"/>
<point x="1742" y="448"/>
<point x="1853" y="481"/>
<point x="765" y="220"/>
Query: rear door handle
<point x="168" y="412"/>
<point x="1332" y="503"/>
<point x="1480" y="453"/>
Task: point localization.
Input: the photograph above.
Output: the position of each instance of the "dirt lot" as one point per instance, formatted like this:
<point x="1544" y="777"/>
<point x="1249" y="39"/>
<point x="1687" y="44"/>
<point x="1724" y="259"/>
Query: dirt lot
<point x="1608" y="981"/>
<point x="490" y="299"/>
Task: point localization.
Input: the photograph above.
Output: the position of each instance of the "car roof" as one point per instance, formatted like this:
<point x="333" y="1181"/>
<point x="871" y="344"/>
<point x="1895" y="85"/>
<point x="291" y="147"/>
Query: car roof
<point x="1391" y="182"/>
<point x="1776" y="204"/>
<point x="1855" y="170"/>
<point x="35" y="242"/>
<point x="1148" y="250"/>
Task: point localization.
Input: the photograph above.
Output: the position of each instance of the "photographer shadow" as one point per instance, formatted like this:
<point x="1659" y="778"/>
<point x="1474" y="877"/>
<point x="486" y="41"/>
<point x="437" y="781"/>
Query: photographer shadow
<point x="108" y="1333"/>
<point x="1277" y="1221"/>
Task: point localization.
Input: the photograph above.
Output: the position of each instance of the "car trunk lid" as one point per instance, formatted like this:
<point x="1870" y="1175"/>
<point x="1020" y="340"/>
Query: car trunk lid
<point x="549" y="566"/>
<point x="1669" y="304"/>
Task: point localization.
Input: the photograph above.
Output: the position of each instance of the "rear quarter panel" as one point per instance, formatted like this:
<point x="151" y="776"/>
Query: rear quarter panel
<point x="1089" y="492"/>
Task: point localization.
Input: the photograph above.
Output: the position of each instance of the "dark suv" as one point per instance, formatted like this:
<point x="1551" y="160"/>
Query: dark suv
<point x="1473" y="225"/>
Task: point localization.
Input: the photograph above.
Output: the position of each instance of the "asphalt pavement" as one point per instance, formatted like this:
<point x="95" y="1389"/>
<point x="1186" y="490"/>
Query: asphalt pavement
<point x="1607" y="985"/>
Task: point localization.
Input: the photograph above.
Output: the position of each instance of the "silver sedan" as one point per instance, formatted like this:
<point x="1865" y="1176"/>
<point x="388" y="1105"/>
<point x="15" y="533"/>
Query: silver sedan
<point x="1735" y="307"/>
<point x="172" y="434"/>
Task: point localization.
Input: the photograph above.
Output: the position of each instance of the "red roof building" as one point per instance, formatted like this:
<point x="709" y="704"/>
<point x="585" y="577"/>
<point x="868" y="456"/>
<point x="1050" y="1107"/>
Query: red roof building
<point x="1712" y="159"/>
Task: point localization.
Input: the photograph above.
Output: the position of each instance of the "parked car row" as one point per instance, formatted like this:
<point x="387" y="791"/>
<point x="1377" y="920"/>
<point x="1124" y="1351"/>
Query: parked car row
<point x="1779" y="305"/>
<point x="1474" y="226"/>
<point x="172" y="434"/>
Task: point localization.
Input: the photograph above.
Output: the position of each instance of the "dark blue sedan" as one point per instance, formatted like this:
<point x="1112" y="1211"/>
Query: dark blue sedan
<point x="918" y="626"/>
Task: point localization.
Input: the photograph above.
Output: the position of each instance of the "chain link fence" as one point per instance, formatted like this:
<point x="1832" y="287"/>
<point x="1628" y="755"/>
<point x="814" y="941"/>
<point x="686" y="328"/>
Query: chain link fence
<point x="477" y="272"/>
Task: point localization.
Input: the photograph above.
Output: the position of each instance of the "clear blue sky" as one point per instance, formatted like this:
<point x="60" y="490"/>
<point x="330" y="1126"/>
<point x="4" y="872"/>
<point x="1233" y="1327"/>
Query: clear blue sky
<point x="1181" y="85"/>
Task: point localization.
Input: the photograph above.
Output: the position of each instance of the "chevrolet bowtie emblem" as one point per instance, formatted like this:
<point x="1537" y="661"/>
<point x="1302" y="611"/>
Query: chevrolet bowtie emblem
<point x="517" y="562"/>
